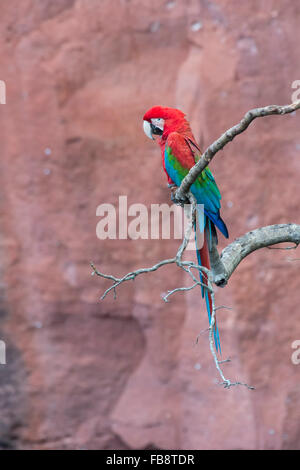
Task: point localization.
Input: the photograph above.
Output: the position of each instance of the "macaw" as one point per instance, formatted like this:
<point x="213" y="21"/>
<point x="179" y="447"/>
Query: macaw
<point x="180" y="152"/>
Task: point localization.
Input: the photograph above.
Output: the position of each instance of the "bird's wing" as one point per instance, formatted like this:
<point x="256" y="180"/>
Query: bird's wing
<point x="179" y="159"/>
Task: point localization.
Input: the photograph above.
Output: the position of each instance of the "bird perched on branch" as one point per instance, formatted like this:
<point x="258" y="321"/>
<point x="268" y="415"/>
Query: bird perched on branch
<point x="180" y="152"/>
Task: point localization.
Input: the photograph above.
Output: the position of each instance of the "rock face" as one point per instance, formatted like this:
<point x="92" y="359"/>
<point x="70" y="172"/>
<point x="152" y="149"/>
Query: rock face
<point x="127" y="374"/>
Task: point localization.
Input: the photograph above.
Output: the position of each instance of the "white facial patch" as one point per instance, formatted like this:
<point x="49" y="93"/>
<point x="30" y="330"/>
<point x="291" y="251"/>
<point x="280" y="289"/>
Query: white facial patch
<point x="158" y="122"/>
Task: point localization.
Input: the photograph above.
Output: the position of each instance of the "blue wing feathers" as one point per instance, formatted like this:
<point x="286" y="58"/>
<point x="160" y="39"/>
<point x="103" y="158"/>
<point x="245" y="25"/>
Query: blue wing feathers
<point x="206" y="192"/>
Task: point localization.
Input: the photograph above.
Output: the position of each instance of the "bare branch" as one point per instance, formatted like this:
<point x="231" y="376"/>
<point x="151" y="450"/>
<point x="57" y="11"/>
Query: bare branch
<point x="225" y="361"/>
<point x="262" y="237"/>
<point x="227" y="137"/>
<point x="178" y="289"/>
<point x="129" y="276"/>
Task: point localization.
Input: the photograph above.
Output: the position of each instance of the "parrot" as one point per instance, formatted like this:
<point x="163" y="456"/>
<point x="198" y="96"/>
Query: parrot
<point x="180" y="152"/>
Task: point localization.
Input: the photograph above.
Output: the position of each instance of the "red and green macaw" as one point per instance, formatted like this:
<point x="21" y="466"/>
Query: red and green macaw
<point x="179" y="154"/>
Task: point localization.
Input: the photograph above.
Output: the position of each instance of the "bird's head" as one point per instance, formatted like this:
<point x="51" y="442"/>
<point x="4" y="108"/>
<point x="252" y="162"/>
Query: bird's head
<point x="160" y="121"/>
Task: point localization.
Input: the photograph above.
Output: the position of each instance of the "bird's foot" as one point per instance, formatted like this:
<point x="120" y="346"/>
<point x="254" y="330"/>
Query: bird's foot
<point x="178" y="200"/>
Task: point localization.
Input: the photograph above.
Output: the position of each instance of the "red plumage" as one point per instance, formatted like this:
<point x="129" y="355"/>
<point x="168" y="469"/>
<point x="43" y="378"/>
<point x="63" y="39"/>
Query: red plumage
<point x="181" y="141"/>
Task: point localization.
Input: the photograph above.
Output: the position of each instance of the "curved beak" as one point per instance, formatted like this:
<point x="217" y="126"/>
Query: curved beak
<point x="147" y="129"/>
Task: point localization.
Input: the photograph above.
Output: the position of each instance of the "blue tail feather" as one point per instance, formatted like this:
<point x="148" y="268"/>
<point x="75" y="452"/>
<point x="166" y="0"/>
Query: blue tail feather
<point x="217" y="221"/>
<point x="205" y="292"/>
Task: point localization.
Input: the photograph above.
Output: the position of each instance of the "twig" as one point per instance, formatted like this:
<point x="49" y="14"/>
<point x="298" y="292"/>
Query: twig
<point x="178" y="289"/>
<point x="225" y="360"/>
<point x="129" y="276"/>
<point x="223" y="306"/>
<point x="294" y="247"/>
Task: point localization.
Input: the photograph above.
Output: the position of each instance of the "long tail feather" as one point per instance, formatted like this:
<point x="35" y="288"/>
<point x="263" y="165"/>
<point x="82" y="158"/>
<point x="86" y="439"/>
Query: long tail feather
<point x="203" y="260"/>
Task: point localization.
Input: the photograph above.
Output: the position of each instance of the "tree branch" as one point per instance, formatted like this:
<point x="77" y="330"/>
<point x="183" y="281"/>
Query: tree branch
<point x="227" y="137"/>
<point x="262" y="237"/>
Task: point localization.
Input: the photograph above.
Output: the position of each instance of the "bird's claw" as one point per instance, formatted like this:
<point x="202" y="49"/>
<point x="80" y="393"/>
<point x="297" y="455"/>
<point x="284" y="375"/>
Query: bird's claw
<point x="176" y="200"/>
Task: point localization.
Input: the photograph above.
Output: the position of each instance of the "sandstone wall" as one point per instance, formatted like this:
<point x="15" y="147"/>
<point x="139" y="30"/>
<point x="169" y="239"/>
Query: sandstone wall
<point x="127" y="374"/>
